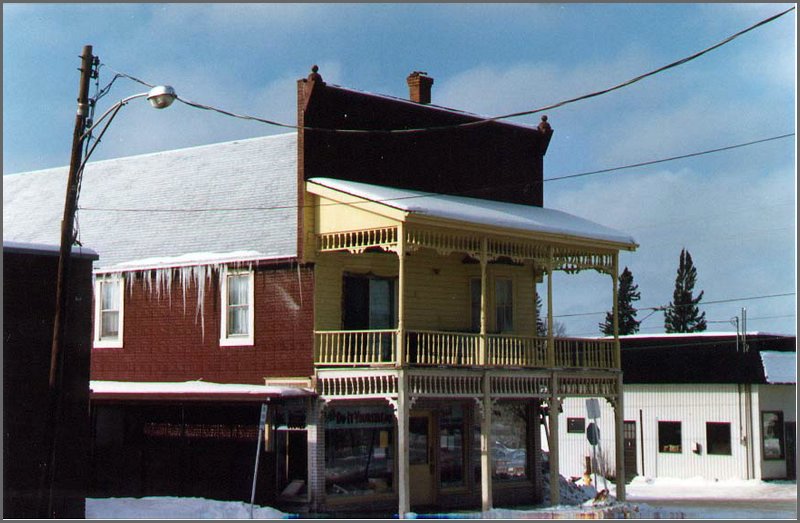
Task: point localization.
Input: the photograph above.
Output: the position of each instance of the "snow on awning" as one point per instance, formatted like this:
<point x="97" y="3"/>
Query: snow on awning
<point x="197" y="390"/>
<point x="779" y="367"/>
<point x="527" y="218"/>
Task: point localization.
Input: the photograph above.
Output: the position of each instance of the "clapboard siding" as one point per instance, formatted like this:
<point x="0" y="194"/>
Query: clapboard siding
<point x="693" y="405"/>
<point x="437" y="289"/>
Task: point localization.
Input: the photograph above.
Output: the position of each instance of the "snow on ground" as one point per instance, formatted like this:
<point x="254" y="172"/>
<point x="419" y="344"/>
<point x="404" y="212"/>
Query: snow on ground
<point x="661" y="498"/>
<point x="699" y="488"/>
<point x="175" y="508"/>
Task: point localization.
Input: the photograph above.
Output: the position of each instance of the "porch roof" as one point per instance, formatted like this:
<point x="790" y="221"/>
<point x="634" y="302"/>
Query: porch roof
<point x="523" y="218"/>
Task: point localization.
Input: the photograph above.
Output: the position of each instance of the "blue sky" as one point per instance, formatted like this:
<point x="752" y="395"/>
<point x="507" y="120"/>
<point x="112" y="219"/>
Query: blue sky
<point x="735" y="211"/>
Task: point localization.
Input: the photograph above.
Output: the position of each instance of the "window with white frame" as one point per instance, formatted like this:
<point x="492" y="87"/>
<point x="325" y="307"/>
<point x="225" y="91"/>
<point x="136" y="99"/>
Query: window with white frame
<point x="108" y="311"/>
<point x="237" y="308"/>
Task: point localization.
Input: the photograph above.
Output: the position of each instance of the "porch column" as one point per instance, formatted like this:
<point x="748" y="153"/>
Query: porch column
<point x="482" y="346"/>
<point x="400" y="352"/>
<point x="486" y="446"/>
<point x="615" y="313"/>
<point x="403" y="478"/>
<point x="315" y="434"/>
<point x="619" y="435"/>
<point x="555" y="490"/>
<point x="551" y="348"/>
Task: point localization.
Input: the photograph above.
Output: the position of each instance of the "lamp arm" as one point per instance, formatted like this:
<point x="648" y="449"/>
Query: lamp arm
<point x="114" y="107"/>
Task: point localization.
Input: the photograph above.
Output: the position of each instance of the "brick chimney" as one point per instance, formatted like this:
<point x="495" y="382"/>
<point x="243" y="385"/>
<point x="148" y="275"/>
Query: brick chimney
<point x="419" y="87"/>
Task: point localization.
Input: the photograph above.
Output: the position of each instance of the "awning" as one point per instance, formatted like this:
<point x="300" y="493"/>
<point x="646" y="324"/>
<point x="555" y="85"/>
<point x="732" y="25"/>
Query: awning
<point x="197" y="390"/>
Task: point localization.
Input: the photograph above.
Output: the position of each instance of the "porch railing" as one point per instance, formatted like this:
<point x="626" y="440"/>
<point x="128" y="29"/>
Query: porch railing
<point x="585" y="353"/>
<point x="516" y="351"/>
<point x="361" y="347"/>
<point x="458" y="349"/>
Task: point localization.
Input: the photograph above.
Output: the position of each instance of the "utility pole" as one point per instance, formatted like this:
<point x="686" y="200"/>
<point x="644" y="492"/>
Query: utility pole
<point x="62" y="287"/>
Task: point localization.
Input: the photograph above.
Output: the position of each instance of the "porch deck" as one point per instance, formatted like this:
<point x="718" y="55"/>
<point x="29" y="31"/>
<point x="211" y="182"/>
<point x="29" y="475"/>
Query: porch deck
<point x="354" y="348"/>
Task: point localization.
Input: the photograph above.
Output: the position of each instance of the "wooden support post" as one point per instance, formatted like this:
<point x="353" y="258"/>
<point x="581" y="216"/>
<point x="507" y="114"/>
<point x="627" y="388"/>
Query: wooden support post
<point x="400" y="353"/>
<point x="403" y="478"/>
<point x="615" y="314"/>
<point x="551" y="347"/>
<point x="486" y="446"/>
<point x="555" y="489"/>
<point x="619" y="435"/>
<point x="482" y="350"/>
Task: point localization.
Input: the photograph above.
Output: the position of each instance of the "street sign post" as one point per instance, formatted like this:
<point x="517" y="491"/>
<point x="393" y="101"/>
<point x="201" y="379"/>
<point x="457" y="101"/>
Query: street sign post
<point x="261" y="424"/>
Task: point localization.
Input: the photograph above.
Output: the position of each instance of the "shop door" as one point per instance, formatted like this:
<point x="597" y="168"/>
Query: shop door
<point x="629" y="441"/>
<point x="420" y="458"/>
<point x="790" y="431"/>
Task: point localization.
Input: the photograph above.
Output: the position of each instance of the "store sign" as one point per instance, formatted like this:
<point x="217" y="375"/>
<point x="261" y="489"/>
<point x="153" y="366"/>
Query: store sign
<point x="358" y="417"/>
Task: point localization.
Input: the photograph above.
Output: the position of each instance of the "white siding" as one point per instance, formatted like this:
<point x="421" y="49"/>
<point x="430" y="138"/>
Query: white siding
<point x="693" y="405"/>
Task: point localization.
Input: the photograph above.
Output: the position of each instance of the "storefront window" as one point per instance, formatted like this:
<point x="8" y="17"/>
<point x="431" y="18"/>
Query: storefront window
<point x="358" y="450"/>
<point x="451" y="446"/>
<point x="772" y="434"/>
<point x="509" y="447"/>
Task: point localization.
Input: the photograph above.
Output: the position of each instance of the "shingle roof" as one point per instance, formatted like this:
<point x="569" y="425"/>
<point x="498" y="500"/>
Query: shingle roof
<point x="252" y="176"/>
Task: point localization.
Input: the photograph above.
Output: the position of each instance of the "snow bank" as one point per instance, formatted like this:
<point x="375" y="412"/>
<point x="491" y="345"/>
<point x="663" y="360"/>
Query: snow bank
<point x="701" y="488"/>
<point x="175" y="508"/>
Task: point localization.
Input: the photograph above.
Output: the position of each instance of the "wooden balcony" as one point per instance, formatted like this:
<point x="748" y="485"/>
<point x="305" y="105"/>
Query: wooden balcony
<point x="459" y="349"/>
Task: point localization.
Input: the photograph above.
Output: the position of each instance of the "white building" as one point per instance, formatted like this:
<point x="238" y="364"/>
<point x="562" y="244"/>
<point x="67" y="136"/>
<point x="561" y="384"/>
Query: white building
<point x="695" y="405"/>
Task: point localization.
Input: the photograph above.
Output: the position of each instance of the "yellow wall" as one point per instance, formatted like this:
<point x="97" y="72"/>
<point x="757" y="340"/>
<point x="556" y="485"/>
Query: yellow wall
<point x="332" y="216"/>
<point x="437" y="289"/>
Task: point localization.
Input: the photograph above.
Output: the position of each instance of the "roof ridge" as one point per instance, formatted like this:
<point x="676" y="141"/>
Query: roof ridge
<point x="154" y="153"/>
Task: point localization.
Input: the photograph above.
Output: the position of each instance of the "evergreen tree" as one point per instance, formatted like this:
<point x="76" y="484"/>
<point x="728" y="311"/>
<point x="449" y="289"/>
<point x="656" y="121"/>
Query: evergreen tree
<point x="683" y="314"/>
<point x="627" y="294"/>
<point x="541" y="326"/>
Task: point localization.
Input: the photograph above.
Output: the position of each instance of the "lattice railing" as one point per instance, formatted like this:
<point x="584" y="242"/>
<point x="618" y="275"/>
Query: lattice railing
<point x="443" y="242"/>
<point x="524" y="386"/>
<point x="366" y="385"/>
<point x="516" y="351"/>
<point x="355" y="347"/>
<point x="442" y="348"/>
<point x="357" y="241"/>
<point x="590" y="386"/>
<point x="444" y="385"/>
<point x="585" y="353"/>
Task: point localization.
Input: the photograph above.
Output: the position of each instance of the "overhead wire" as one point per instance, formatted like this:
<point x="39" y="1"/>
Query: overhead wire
<point x="424" y="194"/>
<point x="479" y="120"/>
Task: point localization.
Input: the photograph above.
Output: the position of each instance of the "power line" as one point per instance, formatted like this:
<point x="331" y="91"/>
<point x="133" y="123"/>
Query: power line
<point x="652" y="162"/>
<point x="479" y="121"/>
<point x="664" y="307"/>
<point x="422" y="195"/>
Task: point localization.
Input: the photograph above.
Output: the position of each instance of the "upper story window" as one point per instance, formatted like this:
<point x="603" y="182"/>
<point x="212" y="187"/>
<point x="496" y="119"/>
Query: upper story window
<point x="504" y="305"/>
<point x="237" y="308"/>
<point x="108" y="312"/>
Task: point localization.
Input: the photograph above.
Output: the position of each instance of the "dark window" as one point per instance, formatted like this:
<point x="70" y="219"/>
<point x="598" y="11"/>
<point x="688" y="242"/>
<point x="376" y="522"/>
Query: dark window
<point x="475" y="304"/>
<point x="576" y="425"/>
<point x="669" y="436"/>
<point x="509" y="450"/>
<point x="504" y="305"/>
<point x="451" y="446"/>
<point x="772" y="434"/>
<point x="718" y="438"/>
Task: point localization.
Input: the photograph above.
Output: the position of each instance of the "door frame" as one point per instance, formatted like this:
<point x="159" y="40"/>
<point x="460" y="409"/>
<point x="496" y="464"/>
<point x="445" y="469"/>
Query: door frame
<point x="430" y="466"/>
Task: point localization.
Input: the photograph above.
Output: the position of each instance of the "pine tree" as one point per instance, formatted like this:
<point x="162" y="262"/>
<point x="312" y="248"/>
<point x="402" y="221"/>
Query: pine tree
<point x="682" y="313"/>
<point x="541" y="326"/>
<point x="627" y="294"/>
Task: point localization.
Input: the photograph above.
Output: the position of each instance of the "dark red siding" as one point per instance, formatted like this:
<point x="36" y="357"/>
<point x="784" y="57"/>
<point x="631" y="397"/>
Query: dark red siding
<point x="164" y="342"/>
<point x="29" y="300"/>
<point x="493" y="161"/>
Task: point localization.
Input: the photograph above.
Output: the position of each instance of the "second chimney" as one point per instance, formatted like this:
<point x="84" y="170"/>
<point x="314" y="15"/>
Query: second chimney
<point x="419" y="87"/>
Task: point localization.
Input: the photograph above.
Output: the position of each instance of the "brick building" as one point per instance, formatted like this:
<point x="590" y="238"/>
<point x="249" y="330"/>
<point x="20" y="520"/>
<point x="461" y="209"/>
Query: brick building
<point x="373" y="283"/>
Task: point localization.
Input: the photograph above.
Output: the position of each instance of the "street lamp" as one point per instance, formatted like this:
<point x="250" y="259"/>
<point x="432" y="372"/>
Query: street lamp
<point x="159" y="97"/>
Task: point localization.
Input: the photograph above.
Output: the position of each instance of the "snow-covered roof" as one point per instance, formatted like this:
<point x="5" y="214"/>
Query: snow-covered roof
<point x="779" y="367"/>
<point x="196" y="388"/>
<point x="215" y="200"/>
<point x="40" y="248"/>
<point x="527" y="218"/>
